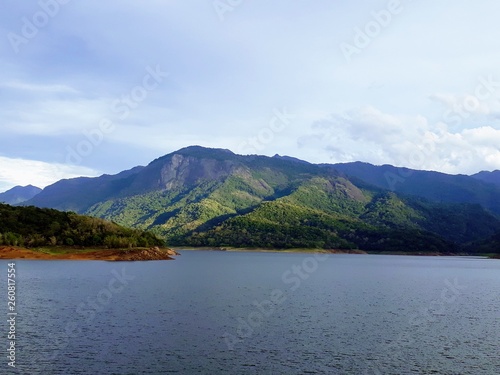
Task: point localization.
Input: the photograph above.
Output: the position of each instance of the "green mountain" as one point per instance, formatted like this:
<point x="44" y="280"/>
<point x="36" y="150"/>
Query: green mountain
<point x="32" y="227"/>
<point x="329" y="213"/>
<point x="435" y="186"/>
<point x="212" y="197"/>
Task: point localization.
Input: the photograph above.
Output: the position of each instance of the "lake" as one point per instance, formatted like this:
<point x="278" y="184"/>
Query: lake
<point x="214" y="312"/>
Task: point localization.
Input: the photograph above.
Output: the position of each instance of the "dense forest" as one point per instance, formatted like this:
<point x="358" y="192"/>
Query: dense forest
<point x="33" y="227"/>
<point x="383" y="224"/>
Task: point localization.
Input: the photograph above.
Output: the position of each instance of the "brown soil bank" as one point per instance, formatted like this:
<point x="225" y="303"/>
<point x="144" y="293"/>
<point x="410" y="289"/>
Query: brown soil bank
<point x="10" y="252"/>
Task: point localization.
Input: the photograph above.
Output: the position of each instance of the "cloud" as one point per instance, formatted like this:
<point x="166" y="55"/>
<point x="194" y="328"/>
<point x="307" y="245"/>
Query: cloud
<point x="24" y="172"/>
<point x="485" y="136"/>
<point x="381" y="138"/>
<point x="227" y="77"/>
<point x="465" y="107"/>
<point x="53" y="117"/>
<point x="51" y="89"/>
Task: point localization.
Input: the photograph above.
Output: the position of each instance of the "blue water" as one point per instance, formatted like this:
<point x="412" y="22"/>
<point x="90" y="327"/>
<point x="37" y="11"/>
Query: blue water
<point x="257" y="313"/>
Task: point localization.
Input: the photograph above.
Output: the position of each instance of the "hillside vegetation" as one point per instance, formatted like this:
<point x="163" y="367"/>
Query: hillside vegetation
<point x="317" y="217"/>
<point x="33" y="227"/>
<point x="490" y="245"/>
<point x="212" y="197"/>
<point x="434" y="186"/>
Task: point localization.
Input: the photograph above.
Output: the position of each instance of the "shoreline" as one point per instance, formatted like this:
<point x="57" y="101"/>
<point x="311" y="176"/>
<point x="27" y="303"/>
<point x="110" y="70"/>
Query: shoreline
<point x="261" y="250"/>
<point x="147" y="254"/>
<point x="65" y="253"/>
<point x="334" y="251"/>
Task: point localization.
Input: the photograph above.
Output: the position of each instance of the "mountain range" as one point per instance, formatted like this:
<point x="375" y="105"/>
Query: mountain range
<point x="482" y="188"/>
<point x="19" y="194"/>
<point x="212" y="197"/>
<point x="492" y="177"/>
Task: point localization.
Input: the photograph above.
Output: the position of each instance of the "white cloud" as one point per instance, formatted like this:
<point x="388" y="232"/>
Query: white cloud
<point x="485" y="136"/>
<point x="24" y="172"/>
<point x="226" y="77"/>
<point x="465" y="105"/>
<point x="367" y="134"/>
<point x="50" y="89"/>
<point x="54" y="117"/>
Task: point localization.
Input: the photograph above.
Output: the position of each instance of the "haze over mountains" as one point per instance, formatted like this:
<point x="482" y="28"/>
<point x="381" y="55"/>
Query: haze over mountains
<point x="19" y="194"/>
<point x="212" y="197"/>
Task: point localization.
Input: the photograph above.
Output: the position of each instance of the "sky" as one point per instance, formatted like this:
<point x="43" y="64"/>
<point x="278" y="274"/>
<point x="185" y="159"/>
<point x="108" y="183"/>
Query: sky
<point x="92" y="87"/>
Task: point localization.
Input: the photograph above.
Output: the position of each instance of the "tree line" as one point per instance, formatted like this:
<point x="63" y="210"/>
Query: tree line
<point x="34" y="227"/>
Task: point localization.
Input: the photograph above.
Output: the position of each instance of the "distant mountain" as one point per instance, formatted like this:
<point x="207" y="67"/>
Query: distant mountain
<point x="492" y="177"/>
<point x="290" y="158"/>
<point x="78" y="194"/>
<point x="19" y="194"/>
<point x="212" y="197"/>
<point x="435" y="186"/>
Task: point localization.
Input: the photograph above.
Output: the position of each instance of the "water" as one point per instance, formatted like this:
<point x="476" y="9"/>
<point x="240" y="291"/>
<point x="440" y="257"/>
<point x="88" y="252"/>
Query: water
<point x="254" y="313"/>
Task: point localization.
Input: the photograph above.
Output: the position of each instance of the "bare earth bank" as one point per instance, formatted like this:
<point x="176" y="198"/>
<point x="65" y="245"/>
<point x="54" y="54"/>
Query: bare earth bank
<point x="155" y="253"/>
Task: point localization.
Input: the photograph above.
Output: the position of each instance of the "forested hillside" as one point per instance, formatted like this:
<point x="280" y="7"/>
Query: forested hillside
<point x="434" y="186"/>
<point x="32" y="227"/>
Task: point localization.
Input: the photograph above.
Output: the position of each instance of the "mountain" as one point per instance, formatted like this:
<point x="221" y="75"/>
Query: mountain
<point x="434" y="186"/>
<point x="491" y="177"/>
<point x="19" y="194"/>
<point x="78" y="194"/>
<point x="490" y="245"/>
<point x="176" y="173"/>
<point x="33" y="227"/>
<point x="212" y="197"/>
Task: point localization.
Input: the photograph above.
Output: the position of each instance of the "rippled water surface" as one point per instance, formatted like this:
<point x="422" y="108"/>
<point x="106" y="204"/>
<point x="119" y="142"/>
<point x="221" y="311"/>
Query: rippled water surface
<point x="259" y="313"/>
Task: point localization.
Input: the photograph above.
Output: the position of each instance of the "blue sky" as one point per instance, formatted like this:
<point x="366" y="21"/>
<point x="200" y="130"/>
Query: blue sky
<point x="101" y="86"/>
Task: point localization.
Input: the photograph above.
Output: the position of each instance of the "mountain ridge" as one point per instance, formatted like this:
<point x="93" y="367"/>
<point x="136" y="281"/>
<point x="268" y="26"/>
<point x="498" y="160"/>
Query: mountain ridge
<point x="19" y="194"/>
<point x="435" y="186"/>
<point x="487" y="176"/>
<point x="212" y="197"/>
